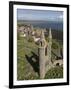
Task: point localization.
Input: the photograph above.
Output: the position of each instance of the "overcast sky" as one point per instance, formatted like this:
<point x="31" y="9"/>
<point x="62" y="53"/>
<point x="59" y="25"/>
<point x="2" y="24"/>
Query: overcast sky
<point x="43" y="15"/>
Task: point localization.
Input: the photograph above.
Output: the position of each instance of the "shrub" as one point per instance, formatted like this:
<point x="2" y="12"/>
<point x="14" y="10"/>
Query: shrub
<point x="56" y="72"/>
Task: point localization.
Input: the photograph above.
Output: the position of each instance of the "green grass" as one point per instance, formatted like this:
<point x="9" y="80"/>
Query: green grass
<point x="24" y="68"/>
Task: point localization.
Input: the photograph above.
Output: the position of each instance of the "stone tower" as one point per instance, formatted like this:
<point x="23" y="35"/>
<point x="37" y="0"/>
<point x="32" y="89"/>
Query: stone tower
<point x="45" y="54"/>
<point x="42" y="56"/>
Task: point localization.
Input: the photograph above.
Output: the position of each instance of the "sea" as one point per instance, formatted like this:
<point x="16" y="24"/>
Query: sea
<point x="54" y="25"/>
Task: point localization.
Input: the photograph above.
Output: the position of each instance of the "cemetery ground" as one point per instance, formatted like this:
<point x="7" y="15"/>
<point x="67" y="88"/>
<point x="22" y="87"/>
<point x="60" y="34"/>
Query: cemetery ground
<point x="28" y="62"/>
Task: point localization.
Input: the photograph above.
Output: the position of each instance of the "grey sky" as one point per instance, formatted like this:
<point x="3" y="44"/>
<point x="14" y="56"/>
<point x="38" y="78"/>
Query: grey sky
<point x="42" y="15"/>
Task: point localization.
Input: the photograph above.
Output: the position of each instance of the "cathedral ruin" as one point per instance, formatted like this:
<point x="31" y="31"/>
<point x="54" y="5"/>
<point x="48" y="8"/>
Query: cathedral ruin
<point x="44" y="50"/>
